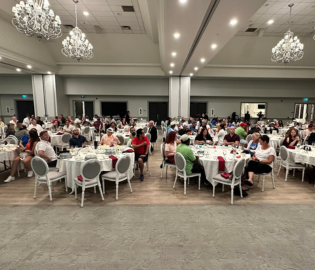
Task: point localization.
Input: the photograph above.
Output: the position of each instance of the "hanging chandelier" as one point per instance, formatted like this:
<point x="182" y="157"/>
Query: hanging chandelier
<point x="289" y="48"/>
<point x="35" y="18"/>
<point x="76" y="46"/>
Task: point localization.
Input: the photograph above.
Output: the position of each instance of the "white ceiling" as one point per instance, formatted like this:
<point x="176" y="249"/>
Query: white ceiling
<point x="302" y="19"/>
<point x="107" y="14"/>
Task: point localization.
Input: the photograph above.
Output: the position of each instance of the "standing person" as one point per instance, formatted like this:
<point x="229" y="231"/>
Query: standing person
<point x="260" y="115"/>
<point x="128" y="117"/>
<point x="46" y="151"/>
<point x="141" y="145"/>
<point x="247" y="116"/>
<point x="152" y="130"/>
<point x="26" y="120"/>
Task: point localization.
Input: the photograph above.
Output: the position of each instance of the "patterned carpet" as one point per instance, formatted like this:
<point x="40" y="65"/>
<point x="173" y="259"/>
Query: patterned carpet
<point x="158" y="237"/>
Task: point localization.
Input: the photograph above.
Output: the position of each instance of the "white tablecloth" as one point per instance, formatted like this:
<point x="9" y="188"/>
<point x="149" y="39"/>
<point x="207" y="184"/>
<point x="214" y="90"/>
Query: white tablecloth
<point x="283" y="131"/>
<point x="274" y="140"/>
<point x="56" y="139"/>
<point x="300" y="156"/>
<point x="7" y="155"/>
<point x="72" y="167"/>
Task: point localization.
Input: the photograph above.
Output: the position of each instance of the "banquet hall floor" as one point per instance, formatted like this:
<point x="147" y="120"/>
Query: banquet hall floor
<point x="158" y="227"/>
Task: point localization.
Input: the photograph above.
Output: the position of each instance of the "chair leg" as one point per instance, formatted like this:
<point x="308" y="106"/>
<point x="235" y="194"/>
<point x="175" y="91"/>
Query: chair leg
<point x="185" y="180"/>
<point x="213" y="194"/>
<point x="82" y="197"/>
<point x="166" y="171"/>
<point x="199" y="183"/>
<point x="241" y="191"/>
<point x="103" y="186"/>
<point x="175" y="180"/>
<point x="99" y="187"/>
<point x="117" y="186"/>
<point x="293" y="172"/>
<point x="279" y="169"/>
<point x="66" y="184"/>
<point x="162" y="169"/>
<point x="35" y="188"/>
<point x="49" y="189"/>
<point x="263" y="185"/>
<point x="130" y="185"/>
<point x="303" y="175"/>
<point x="75" y="191"/>
<point x="273" y="181"/>
<point x="286" y="174"/>
<point x="94" y="189"/>
<point x="232" y="194"/>
<point x="222" y="187"/>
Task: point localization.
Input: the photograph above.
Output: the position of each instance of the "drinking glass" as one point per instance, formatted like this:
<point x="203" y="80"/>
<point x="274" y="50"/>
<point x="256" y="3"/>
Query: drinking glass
<point x="313" y="144"/>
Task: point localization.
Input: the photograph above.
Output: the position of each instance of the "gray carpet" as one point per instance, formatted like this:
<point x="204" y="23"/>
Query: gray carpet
<point x="158" y="237"/>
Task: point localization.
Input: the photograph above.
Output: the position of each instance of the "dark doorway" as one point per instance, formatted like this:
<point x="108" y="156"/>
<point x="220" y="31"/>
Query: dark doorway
<point x="24" y="107"/>
<point x="89" y="109"/>
<point x="158" y="111"/>
<point x="78" y="108"/>
<point x="197" y="107"/>
<point x="114" y="108"/>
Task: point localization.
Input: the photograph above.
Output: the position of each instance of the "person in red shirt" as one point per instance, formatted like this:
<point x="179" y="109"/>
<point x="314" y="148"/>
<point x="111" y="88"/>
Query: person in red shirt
<point x="141" y="146"/>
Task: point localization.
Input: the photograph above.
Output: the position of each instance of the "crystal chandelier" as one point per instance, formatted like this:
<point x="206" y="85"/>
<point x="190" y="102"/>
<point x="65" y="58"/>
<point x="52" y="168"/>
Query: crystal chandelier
<point x="35" y="17"/>
<point x="76" y="46"/>
<point x="289" y="48"/>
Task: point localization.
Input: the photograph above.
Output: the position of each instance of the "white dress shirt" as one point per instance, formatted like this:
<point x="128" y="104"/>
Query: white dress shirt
<point x="26" y="122"/>
<point x="77" y="121"/>
<point x="37" y="127"/>
<point x="47" y="148"/>
<point x="68" y="129"/>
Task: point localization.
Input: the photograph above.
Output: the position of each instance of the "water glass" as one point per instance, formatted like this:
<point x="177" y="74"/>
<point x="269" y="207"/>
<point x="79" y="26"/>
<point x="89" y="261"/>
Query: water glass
<point x="313" y="144"/>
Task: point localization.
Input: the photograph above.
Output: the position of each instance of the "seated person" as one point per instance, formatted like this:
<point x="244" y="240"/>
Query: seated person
<point x="21" y="131"/>
<point x="220" y="133"/>
<point x="141" y="146"/>
<point x="98" y="125"/>
<point x="193" y="127"/>
<point x="85" y="122"/>
<point x="10" y="130"/>
<point x="291" y="139"/>
<point x="55" y="119"/>
<point x="132" y="133"/>
<point x="308" y="131"/>
<point x="39" y="121"/>
<point x="109" y="138"/>
<point x="77" y="120"/>
<point x="204" y="125"/>
<point x="29" y="149"/>
<point x="203" y="137"/>
<point x="35" y="125"/>
<point x="262" y="161"/>
<point x="253" y="144"/>
<point x="231" y="138"/>
<point x="113" y="126"/>
<point x="171" y="128"/>
<point x="254" y="129"/>
<point x="261" y="122"/>
<point x="192" y="164"/>
<point x="77" y="139"/>
<point x="241" y="132"/>
<point x="123" y="123"/>
<point x="272" y="127"/>
<point x="45" y="150"/>
<point x="170" y="147"/>
<point x="214" y="122"/>
<point x="67" y="127"/>
<point x="280" y="124"/>
<point x="55" y="127"/>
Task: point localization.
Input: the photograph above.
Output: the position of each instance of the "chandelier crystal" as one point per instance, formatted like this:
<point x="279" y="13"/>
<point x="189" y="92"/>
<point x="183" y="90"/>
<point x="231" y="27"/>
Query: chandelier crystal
<point x="289" y="48"/>
<point x="35" y="18"/>
<point x="76" y="46"/>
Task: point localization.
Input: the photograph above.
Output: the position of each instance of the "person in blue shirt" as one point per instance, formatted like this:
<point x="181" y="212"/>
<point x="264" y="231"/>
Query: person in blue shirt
<point x="171" y="128"/>
<point x="214" y="122"/>
<point x="77" y="139"/>
<point x="193" y="127"/>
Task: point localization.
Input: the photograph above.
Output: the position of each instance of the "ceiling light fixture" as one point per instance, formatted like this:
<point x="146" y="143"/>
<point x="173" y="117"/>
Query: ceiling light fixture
<point x="49" y="72"/>
<point x="85" y="13"/>
<point x="29" y="66"/>
<point x="289" y="48"/>
<point x="172" y="64"/>
<point x="191" y="74"/>
<point x="183" y="1"/>
<point x="233" y="22"/>
<point x="171" y="72"/>
<point x="18" y="70"/>
<point x="176" y="35"/>
<point x="202" y="60"/>
<point x="213" y="46"/>
<point x="174" y="54"/>
<point x="35" y="18"/>
<point x="196" y="68"/>
<point x="76" y="46"/>
<point x="270" y="22"/>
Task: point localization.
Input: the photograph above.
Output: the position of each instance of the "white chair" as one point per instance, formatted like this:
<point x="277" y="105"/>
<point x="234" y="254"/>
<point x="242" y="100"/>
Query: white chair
<point x="86" y="133"/>
<point x="285" y="162"/>
<point x="236" y="180"/>
<point x="120" y="174"/>
<point x="11" y="140"/>
<point x="64" y="141"/>
<point x="145" y="130"/>
<point x="43" y="175"/>
<point x="147" y="162"/>
<point x="180" y="163"/>
<point x="90" y="171"/>
<point x="264" y="176"/>
<point x="148" y="135"/>
<point x="248" y="138"/>
<point x="129" y="143"/>
<point x="121" y="139"/>
<point x="164" y="163"/>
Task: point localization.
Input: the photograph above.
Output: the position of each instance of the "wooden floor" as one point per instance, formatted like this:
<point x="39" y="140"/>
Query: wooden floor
<point x="157" y="190"/>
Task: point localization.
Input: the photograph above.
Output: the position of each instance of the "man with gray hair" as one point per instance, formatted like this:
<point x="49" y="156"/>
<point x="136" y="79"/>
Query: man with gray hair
<point x="152" y="130"/>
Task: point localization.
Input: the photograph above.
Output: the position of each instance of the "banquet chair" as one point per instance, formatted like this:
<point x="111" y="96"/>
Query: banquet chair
<point x="11" y="140"/>
<point x="305" y="142"/>
<point x="180" y="164"/>
<point x="164" y="163"/>
<point x="264" y="176"/>
<point x="147" y="162"/>
<point x="43" y="175"/>
<point x="121" y="139"/>
<point x="236" y="180"/>
<point x="129" y="143"/>
<point x="89" y="171"/>
<point x="119" y="174"/>
<point x="248" y="138"/>
<point x="86" y="132"/>
<point x="228" y="130"/>
<point x="148" y="135"/>
<point x="145" y="130"/>
<point x="64" y="141"/>
<point x="285" y="162"/>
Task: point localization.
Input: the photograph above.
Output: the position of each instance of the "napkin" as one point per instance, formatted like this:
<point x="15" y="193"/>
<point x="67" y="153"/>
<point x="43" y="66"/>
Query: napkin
<point x="238" y="156"/>
<point x="127" y="135"/>
<point x="80" y="178"/>
<point x="221" y="164"/>
<point x="291" y="147"/>
<point x="60" y="133"/>
<point x="128" y="150"/>
<point x="225" y="175"/>
<point x="114" y="160"/>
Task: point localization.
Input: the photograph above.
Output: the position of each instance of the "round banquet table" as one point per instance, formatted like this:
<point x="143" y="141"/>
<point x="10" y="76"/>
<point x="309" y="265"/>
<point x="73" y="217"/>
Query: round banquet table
<point x="274" y="140"/>
<point x="55" y="139"/>
<point x="72" y="166"/>
<point x="301" y="156"/>
<point x="283" y="131"/>
<point x="211" y="163"/>
<point x="7" y="154"/>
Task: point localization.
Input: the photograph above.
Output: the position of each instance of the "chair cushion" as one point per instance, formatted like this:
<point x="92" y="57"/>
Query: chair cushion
<point x="220" y="178"/>
<point x="52" y="175"/>
<point x="112" y="175"/>
<point x="296" y="165"/>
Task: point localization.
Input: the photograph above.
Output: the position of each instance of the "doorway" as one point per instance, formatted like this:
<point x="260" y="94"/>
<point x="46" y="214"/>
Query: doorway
<point x="24" y="107"/>
<point x="114" y="108"/>
<point x="84" y="108"/>
<point x="198" y="108"/>
<point x="158" y="111"/>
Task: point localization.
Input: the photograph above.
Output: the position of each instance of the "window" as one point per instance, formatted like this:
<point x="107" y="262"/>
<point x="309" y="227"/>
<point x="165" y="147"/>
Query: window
<point x="253" y="109"/>
<point x="304" y="112"/>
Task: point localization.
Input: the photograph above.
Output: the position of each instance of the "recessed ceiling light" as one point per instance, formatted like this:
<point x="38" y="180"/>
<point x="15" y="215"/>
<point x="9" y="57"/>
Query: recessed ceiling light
<point x="0" y="57"/>
<point x="270" y="21"/>
<point x="174" y="54"/>
<point x="172" y="64"/>
<point x="191" y="74"/>
<point x="202" y="60"/>
<point x="18" y="70"/>
<point x="196" y="68"/>
<point x="213" y="46"/>
<point x="29" y="66"/>
<point x="171" y="72"/>
<point x="233" y="22"/>
<point x="183" y="1"/>
<point x="176" y="35"/>
<point x="86" y="13"/>
<point x="48" y="72"/>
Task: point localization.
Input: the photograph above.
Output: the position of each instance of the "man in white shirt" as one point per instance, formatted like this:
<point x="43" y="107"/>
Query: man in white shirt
<point x="77" y="120"/>
<point x="26" y="120"/>
<point x="35" y="125"/>
<point x="261" y="122"/>
<point x="14" y="122"/>
<point x="45" y="150"/>
<point x="68" y="128"/>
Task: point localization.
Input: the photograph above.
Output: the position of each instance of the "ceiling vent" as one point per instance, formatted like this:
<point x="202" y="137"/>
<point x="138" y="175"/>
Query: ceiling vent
<point x="250" y="29"/>
<point x="128" y="8"/>
<point x="125" y="27"/>
<point x="68" y="26"/>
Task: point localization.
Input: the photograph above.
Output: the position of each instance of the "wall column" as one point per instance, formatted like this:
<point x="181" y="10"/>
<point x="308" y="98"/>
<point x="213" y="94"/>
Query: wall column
<point x="179" y="97"/>
<point x="44" y="95"/>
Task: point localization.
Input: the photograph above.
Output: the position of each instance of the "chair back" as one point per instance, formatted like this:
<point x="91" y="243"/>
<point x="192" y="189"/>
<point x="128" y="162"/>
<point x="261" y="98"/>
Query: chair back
<point x="145" y="129"/>
<point x="66" y="138"/>
<point x="281" y="141"/>
<point x="306" y="140"/>
<point x="284" y="154"/>
<point x="249" y="138"/>
<point x="11" y="140"/>
<point x="238" y="169"/>
<point x="155" y="124"/>
<point x="163" y="151"/>
<point x="129" y="143"/>
<point x="148" y="135"/>
<point x="228" y="130"/>
<point x="90" y="169"/>
<point x="121" y="139"/>
<point x="86" y="130"/>
<point x="180" y="163"/>
<point x="123" y="165"/>
<point x="39" y="166"/>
